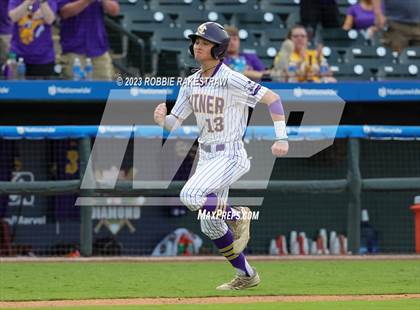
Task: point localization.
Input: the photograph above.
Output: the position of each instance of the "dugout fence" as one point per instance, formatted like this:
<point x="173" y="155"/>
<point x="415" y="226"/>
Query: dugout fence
<point x="371" y="167"/>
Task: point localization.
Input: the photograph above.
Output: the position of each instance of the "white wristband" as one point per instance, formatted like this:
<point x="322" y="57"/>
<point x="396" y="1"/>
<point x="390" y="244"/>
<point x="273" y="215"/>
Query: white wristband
<point x="280" y="129"/>
<point x="171" y="122"/>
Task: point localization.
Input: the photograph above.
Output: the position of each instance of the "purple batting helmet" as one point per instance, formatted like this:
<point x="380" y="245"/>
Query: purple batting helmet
<point x="214" y="33"/>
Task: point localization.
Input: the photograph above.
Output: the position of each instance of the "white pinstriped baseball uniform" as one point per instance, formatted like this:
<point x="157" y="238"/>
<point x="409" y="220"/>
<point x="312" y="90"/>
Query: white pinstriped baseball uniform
<point x="221" y="113"/>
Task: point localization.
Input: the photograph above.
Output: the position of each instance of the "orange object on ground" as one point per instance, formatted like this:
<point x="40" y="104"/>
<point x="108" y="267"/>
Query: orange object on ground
<point x="416" y="210"/>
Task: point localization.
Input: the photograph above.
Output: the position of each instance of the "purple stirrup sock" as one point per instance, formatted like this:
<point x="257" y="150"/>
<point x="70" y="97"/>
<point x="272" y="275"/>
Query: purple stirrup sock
<point x="223" y="211"/>
<point x="225" y="246"/>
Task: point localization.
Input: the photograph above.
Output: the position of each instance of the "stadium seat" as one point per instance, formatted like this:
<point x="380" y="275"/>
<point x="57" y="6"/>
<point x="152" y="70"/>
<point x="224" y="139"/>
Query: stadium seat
<point x="164" y="51"/>
<point x="410" y="55"/>
<point x="334" y="55"/>
<point x="127" y="5"/>
<point x="170" y="40"/>
<point x="221" y="18"/>
<point x="274" y="37"/>
<point x="192" y="21"/>
<point x="171" y="48"/>
<point x="343" y="6"/>
<point x="177" y="7"/>
<point x="252" y="39"/>
<point x="258" y="20"/>
<point x="345" y="3"/>
<point x="368" y="65"/>
<point x="377" y="55"/>
<point x="399" y="72"/>
<point x="280" y="6"/>
<point x="147" y="21"/>
<point x="350" y="72"/>
<point x="232" y="6"/>
<point x="339" y="37"/>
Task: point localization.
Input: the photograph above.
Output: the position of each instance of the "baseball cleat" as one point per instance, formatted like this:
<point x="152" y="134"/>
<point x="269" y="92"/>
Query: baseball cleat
<point x="241" y="282"/>
<point x="240" y="229"/>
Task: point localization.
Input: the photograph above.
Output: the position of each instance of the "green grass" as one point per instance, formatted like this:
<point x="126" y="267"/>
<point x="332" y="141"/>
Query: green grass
<point x="74" y="280"/>
<point x="412" y="304"/>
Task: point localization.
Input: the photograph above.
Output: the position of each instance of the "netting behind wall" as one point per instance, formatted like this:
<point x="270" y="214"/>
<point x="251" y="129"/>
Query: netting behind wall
<point x="50" y="225"/>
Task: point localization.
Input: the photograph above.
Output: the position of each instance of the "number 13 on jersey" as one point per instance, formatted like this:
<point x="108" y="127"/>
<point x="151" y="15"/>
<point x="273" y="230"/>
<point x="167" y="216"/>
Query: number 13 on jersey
<point x="215" y="126"/>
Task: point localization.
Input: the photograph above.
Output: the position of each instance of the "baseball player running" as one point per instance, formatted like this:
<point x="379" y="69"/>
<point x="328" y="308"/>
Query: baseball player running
<point x="221" y="111"/>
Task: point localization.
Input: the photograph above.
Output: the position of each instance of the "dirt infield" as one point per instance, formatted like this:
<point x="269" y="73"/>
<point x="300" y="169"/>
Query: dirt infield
<point x="202" y="300"/>
<point x="205" y="258"/>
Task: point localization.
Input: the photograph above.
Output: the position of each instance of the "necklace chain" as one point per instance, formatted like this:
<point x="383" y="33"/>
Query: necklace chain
<point x="209" y="69"/>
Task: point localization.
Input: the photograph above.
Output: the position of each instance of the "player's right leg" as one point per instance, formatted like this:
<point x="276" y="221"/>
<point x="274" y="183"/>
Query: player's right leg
<point x="218" y="231"/>
<point x="241" y="229"/>
<point x="212" y="177"/>
<point x="209" y="178"/>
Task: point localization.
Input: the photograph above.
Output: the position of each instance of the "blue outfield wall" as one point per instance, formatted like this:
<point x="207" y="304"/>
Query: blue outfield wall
<point x="252" y="132"/>
<point x="69" y="90"/>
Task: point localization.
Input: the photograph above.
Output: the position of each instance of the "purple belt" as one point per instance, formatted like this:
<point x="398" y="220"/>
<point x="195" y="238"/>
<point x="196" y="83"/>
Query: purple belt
<point x="207" y="147"/>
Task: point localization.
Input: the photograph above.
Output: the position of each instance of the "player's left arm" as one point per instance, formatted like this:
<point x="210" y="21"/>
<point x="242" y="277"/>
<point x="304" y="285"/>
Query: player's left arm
<point x="273" y="101"/>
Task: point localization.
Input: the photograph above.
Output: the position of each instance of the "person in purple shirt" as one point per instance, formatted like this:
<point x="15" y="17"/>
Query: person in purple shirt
<point x="83" y="35"/>
<point x="361" y="16"/>
<point x="5" y="30"/>
<point x="246" y="63"/>
<point x="32" y="36"/>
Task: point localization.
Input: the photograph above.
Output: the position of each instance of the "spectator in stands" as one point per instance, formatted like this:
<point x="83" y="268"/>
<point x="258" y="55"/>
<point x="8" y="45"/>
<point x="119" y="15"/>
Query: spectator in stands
<point x="83" y="35"/>
<point x="361" y="16"/>
<point x="281" y="63"/>
<point x="401" y="22"/>
<point x="305" y="61"/>
<point x="5" y="30"/>
<point x="246" y="63"/>
<point x="32" y="38"/>
<point x="313" y="12"/>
